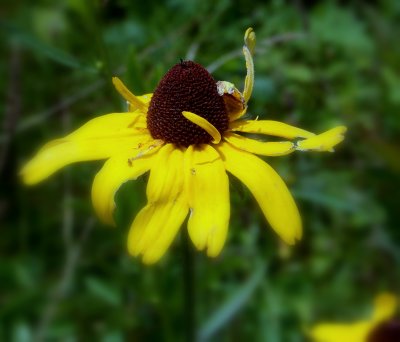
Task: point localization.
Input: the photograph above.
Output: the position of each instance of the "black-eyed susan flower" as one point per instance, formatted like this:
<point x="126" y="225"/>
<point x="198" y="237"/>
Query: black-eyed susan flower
<point x="188" y="134"/>
<point x="378" y="327"/>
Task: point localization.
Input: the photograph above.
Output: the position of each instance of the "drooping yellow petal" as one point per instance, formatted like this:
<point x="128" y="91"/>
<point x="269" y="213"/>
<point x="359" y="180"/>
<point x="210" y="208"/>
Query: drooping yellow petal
<point x="356" y="332"/>
<point x="61" y="152"/>
<point x="204" y="124"/>
<point x="248" y="50"/>
<point x="275" y="148"/>
<point x="174" y="212"/>
<point x="108" y="126"/>
<point x="156" y="225"/>
<point x="268" y="188"/>
<point x="207" y="188"/>
<point x="133" y="100"/>
<point x="116" y="171"/>
<point x="385" y="306"/>
<point x="270" y="127"/>
<point x="323" y="142"/>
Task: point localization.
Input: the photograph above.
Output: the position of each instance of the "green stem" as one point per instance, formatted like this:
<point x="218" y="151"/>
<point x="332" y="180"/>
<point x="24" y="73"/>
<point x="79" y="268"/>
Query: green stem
<point x="189" y="289"/>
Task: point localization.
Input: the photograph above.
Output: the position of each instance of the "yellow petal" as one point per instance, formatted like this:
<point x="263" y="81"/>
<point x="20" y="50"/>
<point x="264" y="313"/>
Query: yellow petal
<point x="155" y="227"/>
<point x="56" y="156"/>
<point x="204" y="124"/>
<point x="323" y="142"/>
<point x="99" y="138"/>
<point x="385" y="306"/>
<point x="116" y="171"/>
<point x="207" y="190"/>
<point x="270" y="127"/>
<point x="108" y="126"/>
<point x="268" y="188"/>
<point x="157" y="223"/>
<point x="146" y="98"/>
<point x="356" y="332"/>
<point x="133" y="100"/>
<point x="175" y="212"/>
<point x="276" y="148"/>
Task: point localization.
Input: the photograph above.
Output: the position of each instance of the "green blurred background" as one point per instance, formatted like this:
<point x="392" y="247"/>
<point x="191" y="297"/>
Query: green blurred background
<point x="66" y="277"/>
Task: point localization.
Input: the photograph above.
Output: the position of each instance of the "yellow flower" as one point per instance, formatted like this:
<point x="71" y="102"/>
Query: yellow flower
<point x="187" y="134"/>
<point x="377" y="328"/>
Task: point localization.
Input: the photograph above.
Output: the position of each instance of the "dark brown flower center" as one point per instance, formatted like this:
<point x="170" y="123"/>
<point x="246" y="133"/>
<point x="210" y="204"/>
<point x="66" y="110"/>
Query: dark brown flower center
<point x="187" y="86"/>
<point x="388" y="331"/>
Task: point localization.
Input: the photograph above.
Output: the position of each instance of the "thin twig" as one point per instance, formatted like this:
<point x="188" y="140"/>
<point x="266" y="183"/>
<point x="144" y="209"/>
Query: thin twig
<point x="62" y="286"/>
<point x="41" y="117"/>
<point x="262" y="46"/>
<point x="72" y="252"/>
<point x="192" y="51"/>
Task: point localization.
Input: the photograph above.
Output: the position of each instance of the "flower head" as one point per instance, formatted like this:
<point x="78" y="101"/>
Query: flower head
<point x="379" y="327"/>
<point x="188" y="135"/>
<point x="187" y="87"/>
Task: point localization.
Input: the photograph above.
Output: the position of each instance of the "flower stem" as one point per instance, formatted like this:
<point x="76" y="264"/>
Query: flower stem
<point x="189" y="289"/>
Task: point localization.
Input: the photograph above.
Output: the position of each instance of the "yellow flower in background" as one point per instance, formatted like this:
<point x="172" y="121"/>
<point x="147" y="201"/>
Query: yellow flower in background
<point x="379" y="327"/>
<point x="188" y="135"/>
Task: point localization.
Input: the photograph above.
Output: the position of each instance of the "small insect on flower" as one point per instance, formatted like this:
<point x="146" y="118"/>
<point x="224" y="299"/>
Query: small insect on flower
<point x="188" y="135"/>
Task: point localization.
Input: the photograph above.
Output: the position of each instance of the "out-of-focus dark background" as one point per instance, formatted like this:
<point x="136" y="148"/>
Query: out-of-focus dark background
<point x="66" y="277"/>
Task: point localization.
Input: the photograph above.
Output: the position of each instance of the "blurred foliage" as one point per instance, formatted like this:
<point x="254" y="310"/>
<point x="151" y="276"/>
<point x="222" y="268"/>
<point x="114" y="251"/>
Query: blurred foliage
<point x="65" y="277"/>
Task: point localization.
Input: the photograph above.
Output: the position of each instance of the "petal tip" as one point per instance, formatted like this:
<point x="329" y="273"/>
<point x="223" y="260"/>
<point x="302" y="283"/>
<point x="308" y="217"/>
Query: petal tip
<point x="152" y="257"/>
<point x="213" y="253"/>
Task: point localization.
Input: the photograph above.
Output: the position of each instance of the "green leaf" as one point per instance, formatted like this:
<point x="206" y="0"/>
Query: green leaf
<point x="29" y="41"/>
<point x="103" y="291"/>
<point x="232" y="305"/>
